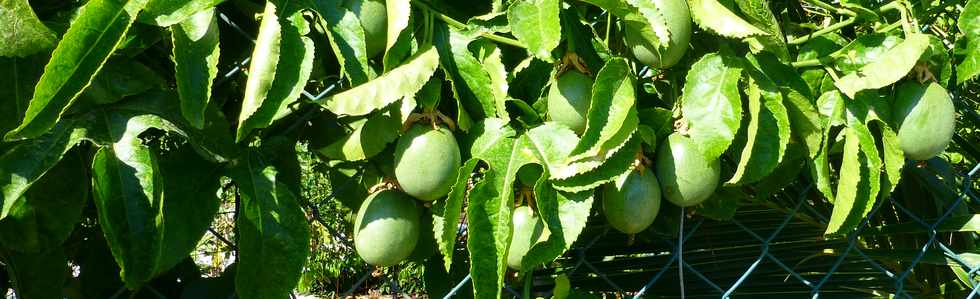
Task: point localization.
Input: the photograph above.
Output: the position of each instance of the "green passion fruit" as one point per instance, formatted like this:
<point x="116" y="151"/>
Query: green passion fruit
<point x="529" y="174"/>
<point x="373" y="15"/>
<point x="569" y="99"/>
<point x="387" y="227"/>
<point x="632" y="202"/>
<point x="678" y="19"/>
<point x="426" y="162"/>
<point x="528" y="230"/>
<point x="926" y="118"/>
<point x="686" y="177"/>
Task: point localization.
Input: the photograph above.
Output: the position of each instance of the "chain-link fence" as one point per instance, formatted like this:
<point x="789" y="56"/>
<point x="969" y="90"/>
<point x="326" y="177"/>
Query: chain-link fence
<point x="772" y="248"/>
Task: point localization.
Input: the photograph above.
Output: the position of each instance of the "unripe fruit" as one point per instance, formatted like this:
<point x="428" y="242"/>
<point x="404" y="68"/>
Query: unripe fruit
<point x="528" y="230"/>
<point x="926" y="118"/>
<point x="686" y="177"/>
<point x="373" y="15"/>
<point x="426" y="162"/>
<point x="569" y="99"/>
<point x="528" y="175"/>
<point x="678" y="19"/>
<point x="386" y="228"/>
<point x="632" y="202"/>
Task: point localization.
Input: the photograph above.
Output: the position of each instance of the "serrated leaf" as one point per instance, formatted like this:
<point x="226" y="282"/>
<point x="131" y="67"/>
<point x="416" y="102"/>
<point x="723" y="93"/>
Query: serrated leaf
<point x="165" y="13"/>
<point x="281" y="65"/>
<point x="712" y="104"/>
<point x="346" y="37"/>
<point x="371" y="134"/>
<point x="857" y="189"/>
<point x="554" y="143"/>
<point x="471" y="84"/>
<point x="768" y="132"/>
<point x="656" y="20"/>
<point x="631" y="17"/>
<point x="120" y="78"/>
<point x="24" y="163"/>
<point x="615" y="166"/>
<point x="446" y="214"/>
<point x="22" y="33"/>
<point x="820" y="165"/>
<point x="897" y="63"/>
<point x="48" y="212"/>
<point x="805" y="121"/>
<point x="713" y="16"/>
<point x="195" y="56"/>
<point x="403" y="81"/>
<point x="90" y="40"/>
<point x="536" y="24"/>
<point x="21" y="75"/>
<point x="969" y="25"/>
<point x="893" y="157"/>
<point x="564" y="214"/>
<point x="34" y="274"/>
<point x="612" y="116"/>
<point x="495" y="68"/>
<point x="863" y="50"/>
<point x="398" y="12"/>
<point x="273" y="235"/>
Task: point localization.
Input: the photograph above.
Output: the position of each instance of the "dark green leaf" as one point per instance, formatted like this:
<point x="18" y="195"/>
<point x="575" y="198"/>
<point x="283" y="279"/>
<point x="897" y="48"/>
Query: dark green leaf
<point x="346" y="38"/>
<point x="758" y="13"/>
<point x="38" y="275"/>
<point x="15" y="91"/>
<point x="273" y="235"/>
<point x="446" y="214"/>
<point x="565" y="216"/>
<point x="89" y="41"/>
<point x="722" y="204"/>
<point x="196" y="62"/>
<point x="165" y="13"/>
<point x="712" y="104"/>
<point x="281" y="64"/>
<point x="21" y="31"/>
<point x="768" y="131"/>
<point x="612" y="116"/>
<point x="120" y="78"/>
<point x="472" y="85"/>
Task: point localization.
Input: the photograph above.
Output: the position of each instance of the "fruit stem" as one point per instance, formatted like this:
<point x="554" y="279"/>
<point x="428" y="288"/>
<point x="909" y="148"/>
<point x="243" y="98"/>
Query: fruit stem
<point x="460" y="25"/>
<point x="528" y="283"/>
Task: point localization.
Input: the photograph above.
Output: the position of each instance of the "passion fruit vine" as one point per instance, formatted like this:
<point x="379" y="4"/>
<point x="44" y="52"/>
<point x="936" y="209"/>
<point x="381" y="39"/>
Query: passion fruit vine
<point x="925" y="118"/>
<point x="686" y="177"/>
<point x="678" y="19"/>
<point x="386" y="229"/>
<point x="632" y="202"/>
<point x="426" y="161"/>
<point x="569" y="99"/>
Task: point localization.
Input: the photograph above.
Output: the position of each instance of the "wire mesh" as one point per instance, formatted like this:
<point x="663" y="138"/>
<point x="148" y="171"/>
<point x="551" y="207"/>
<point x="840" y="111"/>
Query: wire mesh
<point x="707" y="258"/>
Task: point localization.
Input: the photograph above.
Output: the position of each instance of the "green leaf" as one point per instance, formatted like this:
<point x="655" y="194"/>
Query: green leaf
<point x="273" y="235"/>
<point x="445" y="214"/>
<point x="165" y="13"/>
<point x="38" y="275"/>
<point x="897" y="63"/>
<point x="371" y="134"/>
<point x="535" y="23"/>
<point x="471" y="84"/>
<point x="722" y="204"/>
<point x="190" y="202"/>
<point x="49" y="210"/>
<point x="893" y="156"/>
<point x="403" y="81"/>
<point x="617" y="165"/>
<point x="712" y="104"/>
<point x="281" y="64"/>
<point x="15" y="91"/>
<point x="805" y="121"/>
<point x="969" y="25"/>
<point x="24" y="163"/>
<point x="565" y="216"/>
<point x="713" y="16"/>
<point x="128" y="193"/>
<point x="759" y="14"/>
<point x="22" y="33"/>
<point x="631" y="16"/>
<point x="120" y="78"/>
<point x="90" y="40"/>
<point x="820" y="165"/>
<point x="612" y="116"/>
<point x="857" y="189"/>
<point x="495" y="68"/>
<point x="656" y="20"/>
<point x="864" y="50"/>
<point x="346" y="38"/>
<point x="768" y="132"/>
<point x="398" y="12"/>
<point x="195" y="58"/>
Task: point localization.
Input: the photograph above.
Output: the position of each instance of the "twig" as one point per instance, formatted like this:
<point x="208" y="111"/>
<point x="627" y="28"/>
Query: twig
<point x="460" y="25"/>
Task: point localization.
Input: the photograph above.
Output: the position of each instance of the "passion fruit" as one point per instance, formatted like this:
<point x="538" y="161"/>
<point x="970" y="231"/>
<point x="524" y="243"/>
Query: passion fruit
<point x="569" y="99"/>
<point x="386" y="229"/>
<point x="632" y="202"/>
<point x="678" y="19"/>
<point x="686" y="177"/>
<point x="926" y="119"/>
<point x="528" y="230"/>
<point x="373" y="15"/>
<point x="529" y="174"/>
<point x="426" y="162"/>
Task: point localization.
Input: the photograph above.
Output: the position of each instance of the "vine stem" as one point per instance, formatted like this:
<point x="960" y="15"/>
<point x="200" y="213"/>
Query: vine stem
<point x="838" y="10"/>
<point x="452" y="22"/>
<point x="829" y="29"/>
<point x="528" y="282"/>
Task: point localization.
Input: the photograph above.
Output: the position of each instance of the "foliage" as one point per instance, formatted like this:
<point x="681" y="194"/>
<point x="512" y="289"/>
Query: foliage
<point x="128" y="104"/>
